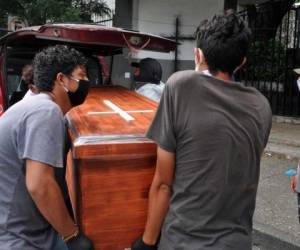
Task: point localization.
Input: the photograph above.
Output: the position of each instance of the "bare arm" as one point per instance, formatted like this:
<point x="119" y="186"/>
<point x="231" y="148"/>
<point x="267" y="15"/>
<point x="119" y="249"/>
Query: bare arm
<point x="294" y="180"/>
<point x="47" y="196"/>
<point x="159" y="196"/>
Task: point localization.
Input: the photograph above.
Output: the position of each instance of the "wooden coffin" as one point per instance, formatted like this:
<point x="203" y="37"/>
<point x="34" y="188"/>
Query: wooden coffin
<point x="111" y="165"/>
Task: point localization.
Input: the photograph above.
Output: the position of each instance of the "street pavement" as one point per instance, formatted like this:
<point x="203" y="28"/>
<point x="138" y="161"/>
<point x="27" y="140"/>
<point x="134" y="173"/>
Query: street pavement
<point x="276" y="223"/>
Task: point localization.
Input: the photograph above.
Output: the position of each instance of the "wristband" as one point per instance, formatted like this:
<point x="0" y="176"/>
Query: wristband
<point x="71" y="236"/>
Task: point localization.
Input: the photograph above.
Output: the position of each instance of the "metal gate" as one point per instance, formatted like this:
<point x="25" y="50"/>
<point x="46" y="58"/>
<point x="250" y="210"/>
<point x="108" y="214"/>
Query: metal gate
<point x="275" y="52"/>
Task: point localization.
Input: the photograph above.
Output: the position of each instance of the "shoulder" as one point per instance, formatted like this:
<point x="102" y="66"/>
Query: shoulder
<point x="44" y="108"/>
<point x="180" y="79"/>
<point x="260" y="103"/>
<point x="146" y="86"/>
<point x="259" y="98"/>
<point x="182" y="76"/>
<point x="150" y="87"/>
<point x="265" y="104"/>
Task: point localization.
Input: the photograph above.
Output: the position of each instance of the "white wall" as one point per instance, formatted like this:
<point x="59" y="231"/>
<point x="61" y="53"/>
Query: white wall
<point x="158" y="17"/>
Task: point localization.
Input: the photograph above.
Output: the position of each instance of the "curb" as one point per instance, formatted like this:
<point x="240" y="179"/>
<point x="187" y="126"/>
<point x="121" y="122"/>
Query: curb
<point x="268" y="153"/>
<point x="268" y="238"/>
<point x="284" y="142"/>
<point x="283" y="119"/>
<point x="282" y="149"/>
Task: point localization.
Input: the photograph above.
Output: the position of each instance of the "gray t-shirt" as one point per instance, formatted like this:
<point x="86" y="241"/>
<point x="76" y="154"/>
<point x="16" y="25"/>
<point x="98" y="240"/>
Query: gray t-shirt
<point x="31" y="129"/>
<point x="217" y="130"/>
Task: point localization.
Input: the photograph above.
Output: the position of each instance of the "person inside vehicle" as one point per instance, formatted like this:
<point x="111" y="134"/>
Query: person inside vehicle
<point x="27" y="76"/>
<point x="26" y="86"/>
<point x="210" y="132"/>
<point x="147" y="78"/>
<point x="33" y="214"/>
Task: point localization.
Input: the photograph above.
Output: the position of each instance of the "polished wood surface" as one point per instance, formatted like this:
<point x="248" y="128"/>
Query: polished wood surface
<point x="111" y="124"/>
<point x="111" y="166"/>
<point x="106" y="126"/>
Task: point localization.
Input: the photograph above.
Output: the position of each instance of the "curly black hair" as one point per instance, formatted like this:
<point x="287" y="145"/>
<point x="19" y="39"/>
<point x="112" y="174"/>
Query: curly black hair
<point x="53" y="60"/>
<point x="224" y="41"/>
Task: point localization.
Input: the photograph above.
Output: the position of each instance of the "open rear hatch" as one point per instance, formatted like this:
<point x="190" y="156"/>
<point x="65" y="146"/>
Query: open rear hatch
<point x="104" y="40"/>
<point x="95" y="41"/>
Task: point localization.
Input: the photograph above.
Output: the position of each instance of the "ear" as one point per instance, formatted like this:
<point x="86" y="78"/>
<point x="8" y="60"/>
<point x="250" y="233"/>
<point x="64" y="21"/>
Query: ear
<point x="60" y="78"/>
<point x="137" y="71"/>
<point x="197" y="56"/>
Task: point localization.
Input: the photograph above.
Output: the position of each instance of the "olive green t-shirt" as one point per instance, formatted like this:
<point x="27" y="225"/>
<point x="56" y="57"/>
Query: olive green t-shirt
<point x="217" y="130"/>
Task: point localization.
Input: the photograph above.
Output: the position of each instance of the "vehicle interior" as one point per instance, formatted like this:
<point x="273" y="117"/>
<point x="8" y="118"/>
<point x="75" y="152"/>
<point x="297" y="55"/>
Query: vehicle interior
<point x="98" y="44"/>
<point x="98" y="68"/>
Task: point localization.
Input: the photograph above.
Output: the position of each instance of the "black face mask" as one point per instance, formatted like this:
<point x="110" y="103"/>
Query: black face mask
<point x="78" y="97"/>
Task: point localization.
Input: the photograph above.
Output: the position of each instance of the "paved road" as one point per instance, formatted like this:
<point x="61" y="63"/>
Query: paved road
<point x="276" y="206"/>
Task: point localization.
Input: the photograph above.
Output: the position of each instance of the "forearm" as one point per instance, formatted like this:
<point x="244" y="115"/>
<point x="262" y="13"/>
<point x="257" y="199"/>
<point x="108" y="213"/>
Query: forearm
<point x="294" y="180"/>
<point x="159" y="198"/>
<point x="50" y="203"/>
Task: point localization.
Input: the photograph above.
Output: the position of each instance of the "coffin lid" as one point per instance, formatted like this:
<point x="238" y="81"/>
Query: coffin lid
<point x="110" y="118"/>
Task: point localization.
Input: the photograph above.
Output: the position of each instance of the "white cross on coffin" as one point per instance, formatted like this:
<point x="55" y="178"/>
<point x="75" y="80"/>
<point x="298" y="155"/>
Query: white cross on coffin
<point x="117" y="110"/>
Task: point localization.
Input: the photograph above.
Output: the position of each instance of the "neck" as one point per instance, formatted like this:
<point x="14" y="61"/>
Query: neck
<point x="223" y="76"/>
<point x="64" y="106"/>
<point x="201" y="67"/>
<point x="61" y="98"/>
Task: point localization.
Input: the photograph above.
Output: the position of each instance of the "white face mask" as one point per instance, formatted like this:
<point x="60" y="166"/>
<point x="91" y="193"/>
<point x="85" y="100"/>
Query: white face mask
<point x="298" y="83"/>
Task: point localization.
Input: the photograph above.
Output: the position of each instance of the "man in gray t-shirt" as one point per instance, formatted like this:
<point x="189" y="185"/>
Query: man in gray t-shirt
<point x="27" y="133"/>
<point x="32" y="210"/>
<point x="210" y="132"/>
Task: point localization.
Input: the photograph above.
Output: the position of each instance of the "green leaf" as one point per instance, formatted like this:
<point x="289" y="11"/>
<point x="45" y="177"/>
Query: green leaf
<point x="38" y="12"/>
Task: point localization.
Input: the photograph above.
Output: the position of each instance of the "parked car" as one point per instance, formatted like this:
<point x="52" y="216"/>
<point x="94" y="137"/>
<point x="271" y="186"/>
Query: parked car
<point x="98" y="43"/>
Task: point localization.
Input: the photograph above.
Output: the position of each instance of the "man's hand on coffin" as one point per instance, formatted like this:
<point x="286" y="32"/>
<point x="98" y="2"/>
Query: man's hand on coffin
<point x="139" y="244"/>
<point x="80" y="242"/>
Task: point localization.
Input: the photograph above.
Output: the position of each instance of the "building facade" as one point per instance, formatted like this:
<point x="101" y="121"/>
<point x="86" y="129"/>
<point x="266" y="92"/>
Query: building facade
<point x="176" y="19"/>
<point x="275" y="50"/>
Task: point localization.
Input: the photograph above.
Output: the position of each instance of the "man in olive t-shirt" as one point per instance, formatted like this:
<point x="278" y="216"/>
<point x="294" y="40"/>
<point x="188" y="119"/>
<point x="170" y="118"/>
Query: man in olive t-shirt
<point x="210" y="132"/>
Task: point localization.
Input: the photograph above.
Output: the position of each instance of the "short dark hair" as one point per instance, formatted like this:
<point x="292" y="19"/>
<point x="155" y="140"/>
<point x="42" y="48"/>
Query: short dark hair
<point x="53" y="60"/>
<point x="224" y="41"/>
<point x="150" y="70"/>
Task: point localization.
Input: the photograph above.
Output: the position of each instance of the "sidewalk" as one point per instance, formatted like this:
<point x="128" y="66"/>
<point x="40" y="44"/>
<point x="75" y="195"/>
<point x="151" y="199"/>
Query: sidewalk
<point x="284" y="139"/>
<point x="276" y="224"/>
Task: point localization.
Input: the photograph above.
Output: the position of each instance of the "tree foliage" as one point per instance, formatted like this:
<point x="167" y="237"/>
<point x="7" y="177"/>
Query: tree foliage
<point x="38" y="12"/>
